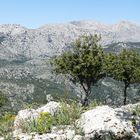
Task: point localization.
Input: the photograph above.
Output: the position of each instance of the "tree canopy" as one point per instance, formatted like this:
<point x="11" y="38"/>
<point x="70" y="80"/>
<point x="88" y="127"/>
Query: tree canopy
<point x="83" y="64"/>
<point x="124" y="67"/>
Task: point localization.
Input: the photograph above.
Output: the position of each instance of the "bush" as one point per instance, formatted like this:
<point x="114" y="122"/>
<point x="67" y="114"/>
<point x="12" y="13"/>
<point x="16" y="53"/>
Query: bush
<point x="6" y="124"/>
<point x="3" y="99"/>
<point x="136" y="111"/>
<point x="67" y="115"/>
<point x="41" y="125"/>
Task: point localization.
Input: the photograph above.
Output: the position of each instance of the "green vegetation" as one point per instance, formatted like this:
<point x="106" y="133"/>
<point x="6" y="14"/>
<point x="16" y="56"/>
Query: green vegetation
<point x="6" y="125"/>
<point x="83" y="64"/>
<point x="136" y="114"/>
<point x="124" y="67"/>
<point x="67" y="115"/>
<point x="136" y="110"/>
<point x="86" y="64"/>
<point x="3" y="99"/>
<point x="41" y="125"/>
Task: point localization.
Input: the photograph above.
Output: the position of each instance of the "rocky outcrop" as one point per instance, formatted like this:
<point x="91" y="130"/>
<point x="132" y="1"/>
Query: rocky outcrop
<point x="101" y="123"/>
<point x="52" y="107"/>
<point x="105" y="122"/>
<point x="56" y="134"/>
<point x="28" y="115"/>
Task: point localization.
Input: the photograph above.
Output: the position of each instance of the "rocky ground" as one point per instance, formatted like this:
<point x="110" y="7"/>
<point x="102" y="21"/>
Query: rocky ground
<point x="99" y="123"/>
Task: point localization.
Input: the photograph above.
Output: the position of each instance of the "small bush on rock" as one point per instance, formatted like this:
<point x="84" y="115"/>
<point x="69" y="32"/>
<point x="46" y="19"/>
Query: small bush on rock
<point x="67" y="114"/>
<point x="41" y="125"/>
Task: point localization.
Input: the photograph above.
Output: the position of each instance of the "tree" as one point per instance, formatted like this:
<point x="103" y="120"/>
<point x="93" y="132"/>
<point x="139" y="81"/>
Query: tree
<point x="124" y="67"/>
<point x="82" y="64"/>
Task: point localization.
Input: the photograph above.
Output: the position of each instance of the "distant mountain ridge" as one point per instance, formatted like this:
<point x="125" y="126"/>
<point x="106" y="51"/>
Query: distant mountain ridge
<point x="18" y="42"/>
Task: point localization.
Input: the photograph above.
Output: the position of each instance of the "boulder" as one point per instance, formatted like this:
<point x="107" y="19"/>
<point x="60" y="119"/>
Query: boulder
<point x="105" y="123"/>
<point x="51" y="107"/>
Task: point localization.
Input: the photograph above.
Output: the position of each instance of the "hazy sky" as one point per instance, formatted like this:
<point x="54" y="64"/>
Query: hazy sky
<point x="35" y="13"/>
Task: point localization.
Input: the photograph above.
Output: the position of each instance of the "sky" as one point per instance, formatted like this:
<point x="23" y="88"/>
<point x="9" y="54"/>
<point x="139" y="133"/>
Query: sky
<point x="36" y="13"/>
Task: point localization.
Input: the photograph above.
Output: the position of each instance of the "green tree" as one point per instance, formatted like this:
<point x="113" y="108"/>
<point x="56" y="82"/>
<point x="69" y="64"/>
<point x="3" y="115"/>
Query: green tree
<point x="124" y="67"/>
<point x="82" y="64"/>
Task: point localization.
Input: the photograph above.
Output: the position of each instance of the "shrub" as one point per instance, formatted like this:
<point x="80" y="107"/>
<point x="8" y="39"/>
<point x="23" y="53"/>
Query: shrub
<point x="41" y="125"/>
<point x="6" y="125"/>
<point x="3" y="99"/>
<point x="136" y="110"/>
<point x="67" y="114"/>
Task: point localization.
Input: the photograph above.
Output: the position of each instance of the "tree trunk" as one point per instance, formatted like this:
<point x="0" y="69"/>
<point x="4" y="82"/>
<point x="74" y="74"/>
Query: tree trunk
<point x="85" y="101"/>
<point x="85" y="98"/>
<point x="125" y="94"/>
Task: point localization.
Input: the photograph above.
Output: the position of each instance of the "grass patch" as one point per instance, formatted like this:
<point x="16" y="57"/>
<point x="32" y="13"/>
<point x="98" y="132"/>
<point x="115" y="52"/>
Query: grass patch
<point x="66" y="115"/>
<point x="6" y="125"/>
<point x="41" y="125"/>
<point x="136" y="110"/>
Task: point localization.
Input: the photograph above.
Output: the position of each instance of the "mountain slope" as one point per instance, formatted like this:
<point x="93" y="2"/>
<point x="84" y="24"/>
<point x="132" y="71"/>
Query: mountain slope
<point x="21" y="43"/>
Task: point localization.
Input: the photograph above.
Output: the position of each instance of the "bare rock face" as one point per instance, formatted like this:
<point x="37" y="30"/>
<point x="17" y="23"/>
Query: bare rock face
<point x="52" y="107"/>
<point x="20" y="43"/>
<point x="104" y="122"/>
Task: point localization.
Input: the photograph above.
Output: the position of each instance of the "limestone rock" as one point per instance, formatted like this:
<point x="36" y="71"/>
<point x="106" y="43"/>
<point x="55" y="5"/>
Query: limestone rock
<point x="51" y="107"/>
<point x="104" y="122"/>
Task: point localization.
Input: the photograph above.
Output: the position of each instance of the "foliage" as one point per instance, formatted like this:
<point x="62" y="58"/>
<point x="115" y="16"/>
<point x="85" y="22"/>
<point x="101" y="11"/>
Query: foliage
<point x="41" y="125"/>
<point x="67" y="115"/>
<point x="136" y="114"/>
<point x="94" y="104"/>
<point x="3" y="99"/>
<point x="79" y="131"/>
<point x="123" y="67"/>
<point x="83" y="64"/>
<point x="6" y="125"/>
<point x="136" y="110"/>
<point x="31" y="105"/>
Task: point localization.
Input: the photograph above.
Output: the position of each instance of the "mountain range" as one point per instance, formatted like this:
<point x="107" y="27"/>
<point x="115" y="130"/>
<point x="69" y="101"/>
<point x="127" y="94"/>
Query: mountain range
<point x="25" y="73"/>
<point x="18" y="42"/>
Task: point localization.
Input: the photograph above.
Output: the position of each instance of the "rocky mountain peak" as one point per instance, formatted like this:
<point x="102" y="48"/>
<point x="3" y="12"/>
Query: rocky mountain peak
<point x="53" y="39"/>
